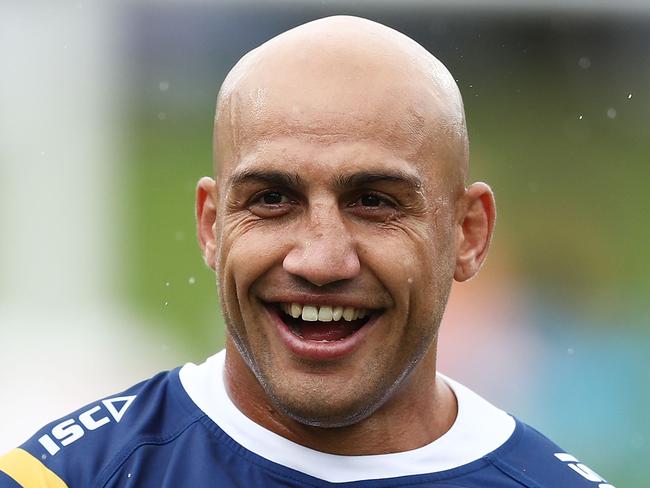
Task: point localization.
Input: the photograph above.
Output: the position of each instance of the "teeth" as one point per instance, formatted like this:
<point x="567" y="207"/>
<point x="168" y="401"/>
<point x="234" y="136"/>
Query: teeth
<point x="337" y="313"/>
<point x="309" y="313"/>
<point x="325" y="313"/>
<point x="295" y="310"/>
<point x="349" y="313"/>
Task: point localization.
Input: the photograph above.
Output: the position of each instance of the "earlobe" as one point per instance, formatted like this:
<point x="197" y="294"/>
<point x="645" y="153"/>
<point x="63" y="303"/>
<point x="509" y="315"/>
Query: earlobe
<point x="206" y="215"/>
<point x="474" y="230"/>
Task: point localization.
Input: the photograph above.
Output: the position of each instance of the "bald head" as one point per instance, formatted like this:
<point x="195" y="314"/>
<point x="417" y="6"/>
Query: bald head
<point x="343" y="78"/>
<point x="341" y="152"/>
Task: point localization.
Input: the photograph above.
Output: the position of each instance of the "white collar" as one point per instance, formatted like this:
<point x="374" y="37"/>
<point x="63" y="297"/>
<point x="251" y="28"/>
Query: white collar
<point x="479" y="429"/>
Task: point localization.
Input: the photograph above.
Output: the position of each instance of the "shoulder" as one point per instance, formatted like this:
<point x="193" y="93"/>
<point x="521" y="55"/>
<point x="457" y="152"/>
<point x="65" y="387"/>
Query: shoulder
<point x="510" y="449"/>
<point x="87" y="444"/>
<point x="537" y="462"/>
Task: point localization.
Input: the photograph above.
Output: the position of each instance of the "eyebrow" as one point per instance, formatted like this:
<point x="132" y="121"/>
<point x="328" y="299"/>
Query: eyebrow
<point x="355" y="180"/>
<point x="363" y="178"/>
<point x="273" y="177"/>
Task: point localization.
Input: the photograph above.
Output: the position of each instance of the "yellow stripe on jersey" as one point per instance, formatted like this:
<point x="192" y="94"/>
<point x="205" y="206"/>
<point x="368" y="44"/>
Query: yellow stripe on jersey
<point x="28" y="471"/>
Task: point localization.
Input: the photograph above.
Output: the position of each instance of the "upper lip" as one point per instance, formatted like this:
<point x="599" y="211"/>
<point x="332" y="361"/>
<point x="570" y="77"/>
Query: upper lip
<point x="321" y="300"/>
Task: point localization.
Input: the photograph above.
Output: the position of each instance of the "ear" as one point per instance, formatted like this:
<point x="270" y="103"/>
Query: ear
<point x="206" y="215"/>
<point x="474" y="230"/>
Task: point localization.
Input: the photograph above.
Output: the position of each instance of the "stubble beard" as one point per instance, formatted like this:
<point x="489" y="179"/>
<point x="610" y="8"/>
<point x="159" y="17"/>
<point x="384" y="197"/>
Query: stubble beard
<point x="318" y="402"/>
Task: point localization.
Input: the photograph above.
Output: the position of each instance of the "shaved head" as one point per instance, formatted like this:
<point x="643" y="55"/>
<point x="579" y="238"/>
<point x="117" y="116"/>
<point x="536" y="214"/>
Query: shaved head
<point x="343" y="77"/>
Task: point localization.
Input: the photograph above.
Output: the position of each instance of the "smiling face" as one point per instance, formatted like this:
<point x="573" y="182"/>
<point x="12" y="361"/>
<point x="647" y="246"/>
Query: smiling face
<point x="337" y="223"/>
<point x="321" y="229"/>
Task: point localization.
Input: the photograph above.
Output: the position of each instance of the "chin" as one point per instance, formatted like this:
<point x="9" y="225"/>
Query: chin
<point x="328" y="418"/>
<point x="319" y="403"/>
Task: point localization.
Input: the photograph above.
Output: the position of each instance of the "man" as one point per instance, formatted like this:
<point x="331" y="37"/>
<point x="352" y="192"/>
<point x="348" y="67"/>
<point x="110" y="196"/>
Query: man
<point x="337" y="221"/>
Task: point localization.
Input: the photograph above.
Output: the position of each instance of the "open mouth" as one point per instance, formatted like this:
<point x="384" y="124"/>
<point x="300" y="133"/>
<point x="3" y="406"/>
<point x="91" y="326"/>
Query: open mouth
<point x="323" y="323"/>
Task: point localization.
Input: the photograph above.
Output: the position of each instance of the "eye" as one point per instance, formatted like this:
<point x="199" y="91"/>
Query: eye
<point x="271" y="203"/>
<point x="373" y="206"/>
<point x="370" y="200"/>
<point x="274" y="198"/>
<point x="373" y="200"/>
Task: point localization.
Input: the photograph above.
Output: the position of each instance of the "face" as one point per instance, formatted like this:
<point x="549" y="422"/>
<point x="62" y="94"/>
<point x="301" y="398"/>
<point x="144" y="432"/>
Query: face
<point x="335" y="257"/>
<point x="335" y="229"/>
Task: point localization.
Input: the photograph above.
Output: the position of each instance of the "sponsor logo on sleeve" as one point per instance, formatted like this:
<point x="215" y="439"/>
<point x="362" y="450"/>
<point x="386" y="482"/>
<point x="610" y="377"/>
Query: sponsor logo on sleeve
<point x="583" y="470"/>
<point x="71" y="430"/>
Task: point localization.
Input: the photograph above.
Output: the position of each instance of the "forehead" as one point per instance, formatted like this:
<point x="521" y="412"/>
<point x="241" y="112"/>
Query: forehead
<point x="313" y="160"/>
<point x="306" y="128"/>
<point x="327" y="118"/>
<point x="327" y="103"/>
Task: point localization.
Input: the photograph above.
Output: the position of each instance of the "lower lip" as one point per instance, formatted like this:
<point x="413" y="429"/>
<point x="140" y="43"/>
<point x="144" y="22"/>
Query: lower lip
<point x="320" y="350"/>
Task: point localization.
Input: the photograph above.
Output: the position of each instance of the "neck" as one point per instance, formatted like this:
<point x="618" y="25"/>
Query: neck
<point x="420" y="411"/>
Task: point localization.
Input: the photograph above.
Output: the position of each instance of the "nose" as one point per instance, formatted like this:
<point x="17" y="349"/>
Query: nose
<point x="324" y="250"/>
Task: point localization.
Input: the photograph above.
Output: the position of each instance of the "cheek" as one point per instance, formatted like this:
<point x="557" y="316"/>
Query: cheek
<point x="244" y="256"/>
<point x="246" y="253"/>
<point x="416" y="265"/>
<point x="403" y="256"/>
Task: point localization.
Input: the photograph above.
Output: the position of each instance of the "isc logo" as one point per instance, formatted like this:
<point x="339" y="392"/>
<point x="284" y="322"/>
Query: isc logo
<point x="583" y="470"/>
<point x="69" y="431"/>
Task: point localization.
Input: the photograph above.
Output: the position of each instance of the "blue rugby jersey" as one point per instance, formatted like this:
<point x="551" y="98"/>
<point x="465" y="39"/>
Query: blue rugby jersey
<point x="180" y="429"/>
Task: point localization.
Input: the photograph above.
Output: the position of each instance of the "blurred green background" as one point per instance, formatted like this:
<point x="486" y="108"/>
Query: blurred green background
<point x="558" y="112"/>
<point x="558" y="108"/>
